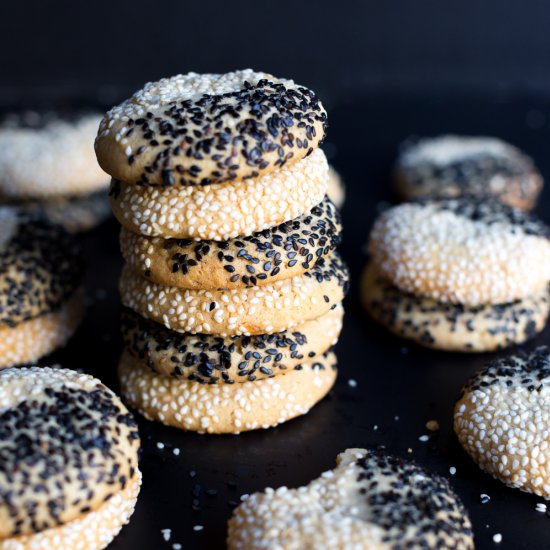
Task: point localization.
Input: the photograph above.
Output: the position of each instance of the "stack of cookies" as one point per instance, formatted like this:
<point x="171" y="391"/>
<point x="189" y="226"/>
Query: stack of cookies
<point x="231" y="288"/>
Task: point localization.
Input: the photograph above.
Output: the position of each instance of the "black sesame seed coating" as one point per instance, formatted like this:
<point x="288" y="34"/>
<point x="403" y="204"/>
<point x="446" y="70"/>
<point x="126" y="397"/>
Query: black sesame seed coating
<point x="211" y="359"/>
<point x="286" y="250"/>
<point x="40" y="267"/>
<point x="219" y="138"/>
<point x="64" y="452"/>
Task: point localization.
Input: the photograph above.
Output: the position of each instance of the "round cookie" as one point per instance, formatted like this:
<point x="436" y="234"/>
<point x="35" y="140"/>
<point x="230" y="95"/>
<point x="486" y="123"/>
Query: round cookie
<point x="453" y="327"/>
<point x="201" y="129"/>
<point x="336" y="189"/>
<point x="279" y="252"/>
<point x="371" y="500"/>
<point x="211" y="359"/>
<point x="69" y="458"/>
<point x="451" y="166"/>
<point x="502" y="418"/>
<point x="45" y="155"/>
<point x="223" y="210"/>
<point x="225" y="408"/>
<point x="255" y="310"/>
<point x="40" y="273"/>
<point x="465" y="251"/>
<point x="76" y="214"/>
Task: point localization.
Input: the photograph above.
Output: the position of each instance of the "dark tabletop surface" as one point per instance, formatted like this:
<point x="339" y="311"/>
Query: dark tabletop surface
<point x="399" y="386"/>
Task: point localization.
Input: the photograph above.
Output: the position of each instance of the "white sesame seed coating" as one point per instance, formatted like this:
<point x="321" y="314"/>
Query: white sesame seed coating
<point x="32" y="339"/>
<point x="503" y="420"/>
<point x="56" y="159"/>
<point x="92" y="531"/>
<point x="224" y="210"/>
<point x="370" y="501"/>
<point x="254" y="310"/>
<point x="462" y="251"/>
<point x="227" y="408"/>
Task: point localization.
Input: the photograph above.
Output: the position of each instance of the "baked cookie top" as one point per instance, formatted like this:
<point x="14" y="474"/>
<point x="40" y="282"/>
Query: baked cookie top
<point x="463" y="250"/>
<point x="370" y="500"/>
<point x="198" y="129"/>
<point x="40" y="266"/>
<point x="68" y="445"/>
<point x="49" y="154"/>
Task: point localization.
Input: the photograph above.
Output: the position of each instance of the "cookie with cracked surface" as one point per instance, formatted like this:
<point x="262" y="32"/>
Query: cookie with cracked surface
<point x="466" y="251"/>
<point x="502" y="417"/>
<point x="201" y="129"/>
<point x="453" y="327"/>
<point x="225" y="408"/>
<point x="451" y="166"/>
<point x="211" y="359"/>
<point x="69" y="458"/>
<point x="279" y="252"/>
<point x="256" y="310"/>
<point x="371" y="500"/>
<point x="45" y="155"/>
<point x="222" y="210"/>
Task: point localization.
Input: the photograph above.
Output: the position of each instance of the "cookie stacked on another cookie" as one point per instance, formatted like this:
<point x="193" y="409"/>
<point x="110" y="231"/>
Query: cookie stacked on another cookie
<point x="48" y="167"/>
<point x="231" y="285"/>
<point x="459" y="274"/>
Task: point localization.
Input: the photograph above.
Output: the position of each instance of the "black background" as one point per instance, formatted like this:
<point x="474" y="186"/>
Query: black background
<point x="386" y="69"/>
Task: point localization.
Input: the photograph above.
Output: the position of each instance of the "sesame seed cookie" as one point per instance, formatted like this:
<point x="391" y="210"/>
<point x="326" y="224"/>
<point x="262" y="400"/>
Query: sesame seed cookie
<point x="44" y="155"/>
<point x="279" y="252"/>
<point x="451" y="166"/>
<point x="69" y="453"/>
<point x="371" y="500"/>
<point x="465" y="251"/>
<point x="502" y="419"/>
<point x="336" y="188"/>
<point x="223" y="210"/>
<point x="453" y="327"/>
<point x="225" y="408"/>
<point x="255" y="310"/>
<point x="211" y="359"/>
<point x="200" y="129"/>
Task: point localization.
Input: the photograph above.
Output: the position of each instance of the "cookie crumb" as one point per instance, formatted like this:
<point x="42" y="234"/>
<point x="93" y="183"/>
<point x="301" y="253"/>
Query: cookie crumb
<point x="432" y="425"/>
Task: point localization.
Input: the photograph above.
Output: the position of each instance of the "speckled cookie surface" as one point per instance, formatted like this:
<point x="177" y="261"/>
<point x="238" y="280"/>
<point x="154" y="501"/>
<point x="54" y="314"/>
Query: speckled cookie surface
<point x="453" y="327"/>
<point x="464" y="251"/>
<point x="451" y="166"/>
<point x="371" y="500"/>
<point x="39" y="266"/>
<point x="75" y="213"/>
<point x="45" y="155"/>
<point x="502" y="419"/>
<point x="69" y="445"/>
<point x="199" y="129"/>
<point x="255" y="310"/>
<point x="279" y="252"/>
<point x="226" y="408"/>
<point x="223" y="210"/>
<point x="212" y="359"/>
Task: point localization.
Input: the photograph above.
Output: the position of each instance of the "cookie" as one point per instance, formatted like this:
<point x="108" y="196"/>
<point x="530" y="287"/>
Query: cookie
<point x="370" y="500"/>
<point x="40" y="273"/>
<point x="225" y="408"/>
<point x="452" y="166"/>
<point x="45" y="155"/>
<point x="223" y="210"/>
<point x="465" y="251"/>
<point x="336" y="189"/>
<point x="211" y="359"/>
<point x="76" y="214"/>
<point x="69" y="460"/>
<point x="256" y="310"/>
<point x="202" y="129"/>
<point x="502" y="418"/>
<point x="276" y="253"/>
<point x="453" y="327"/>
